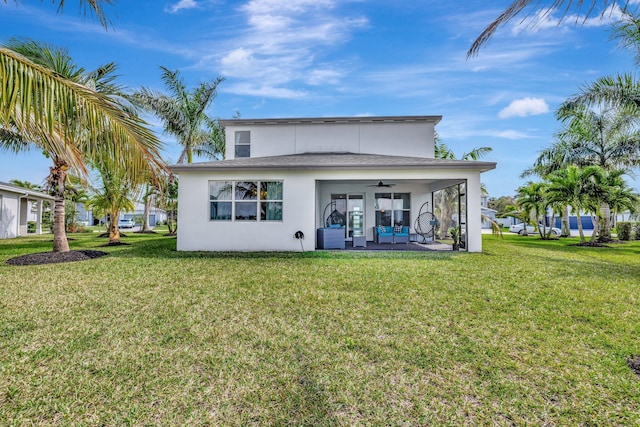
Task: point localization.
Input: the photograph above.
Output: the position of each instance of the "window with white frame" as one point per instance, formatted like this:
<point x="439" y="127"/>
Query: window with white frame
<point x="245" y="200"/>
<point x="243" y="144"/>
<point x="393" y="209"/>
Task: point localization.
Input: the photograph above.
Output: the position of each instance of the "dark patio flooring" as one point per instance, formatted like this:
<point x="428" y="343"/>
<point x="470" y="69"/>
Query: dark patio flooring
<point x="411" y="246"/>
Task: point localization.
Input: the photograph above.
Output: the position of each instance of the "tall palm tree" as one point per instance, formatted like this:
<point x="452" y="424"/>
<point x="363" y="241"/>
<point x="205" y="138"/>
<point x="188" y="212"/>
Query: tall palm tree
<point x="622" y="90"/>
<point x="184" y="114"/>
<point x="49" y="102"/>
<point x="607" y="137"/>
<point x="592" y="7"/>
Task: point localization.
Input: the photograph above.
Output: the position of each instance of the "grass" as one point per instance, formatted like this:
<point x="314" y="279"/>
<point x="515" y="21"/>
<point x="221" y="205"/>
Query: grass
<point x="529" y="332"/>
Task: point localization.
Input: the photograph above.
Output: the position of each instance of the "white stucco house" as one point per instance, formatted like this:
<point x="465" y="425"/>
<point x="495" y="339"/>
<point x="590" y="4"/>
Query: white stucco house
<point x="19" y="206"/>
<point x="284" y="178"/>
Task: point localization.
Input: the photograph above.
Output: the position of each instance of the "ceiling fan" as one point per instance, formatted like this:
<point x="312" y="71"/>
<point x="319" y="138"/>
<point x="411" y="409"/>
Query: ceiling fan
<point x="381" y="184"/>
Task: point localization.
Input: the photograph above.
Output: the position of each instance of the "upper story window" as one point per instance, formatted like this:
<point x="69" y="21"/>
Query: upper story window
<point x="243" y="143"/>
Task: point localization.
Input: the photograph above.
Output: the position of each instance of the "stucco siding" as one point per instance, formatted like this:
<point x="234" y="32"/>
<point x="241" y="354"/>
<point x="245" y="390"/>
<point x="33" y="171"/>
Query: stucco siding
<point x="305" y="193"/>
<point x="9" y="217"/>
<point x="398" y="139"/>
<point x="197" y="232"/>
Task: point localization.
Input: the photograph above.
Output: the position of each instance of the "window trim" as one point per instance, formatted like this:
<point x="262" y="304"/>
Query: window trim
<point x="258" y="201"/>
<point x="393" y="209"/>
<point x="238" y="143"/>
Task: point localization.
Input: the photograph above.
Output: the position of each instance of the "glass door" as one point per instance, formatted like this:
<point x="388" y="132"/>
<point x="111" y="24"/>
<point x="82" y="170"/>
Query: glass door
<point x="347" y="211"/>
<point x="355" y="207"/>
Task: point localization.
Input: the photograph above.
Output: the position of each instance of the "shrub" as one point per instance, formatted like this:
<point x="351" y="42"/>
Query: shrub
<point x="76" y="228"/>
<point x="623" y="228"/>
<point x="636" y="233"/>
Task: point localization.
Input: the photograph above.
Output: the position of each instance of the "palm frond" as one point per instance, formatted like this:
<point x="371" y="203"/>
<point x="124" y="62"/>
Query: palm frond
<point x="31" y="90"/>
<point x="547" y="7"/>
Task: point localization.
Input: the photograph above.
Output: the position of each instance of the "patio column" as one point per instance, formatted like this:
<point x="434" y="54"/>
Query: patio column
<point x="39" y="217"/>
<point x="474" y="214"/>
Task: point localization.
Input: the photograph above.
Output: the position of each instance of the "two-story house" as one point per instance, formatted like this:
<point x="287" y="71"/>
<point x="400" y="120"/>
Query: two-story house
<point x="286" y="178"/>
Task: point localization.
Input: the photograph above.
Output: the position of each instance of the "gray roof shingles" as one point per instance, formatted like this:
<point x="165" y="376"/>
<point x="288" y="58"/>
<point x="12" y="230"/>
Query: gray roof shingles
<point x="333" y="161"/>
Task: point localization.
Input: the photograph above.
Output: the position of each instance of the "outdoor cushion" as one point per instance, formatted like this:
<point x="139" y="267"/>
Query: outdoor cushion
<point x="384" y="230"/>
<point x="400" y="230"/>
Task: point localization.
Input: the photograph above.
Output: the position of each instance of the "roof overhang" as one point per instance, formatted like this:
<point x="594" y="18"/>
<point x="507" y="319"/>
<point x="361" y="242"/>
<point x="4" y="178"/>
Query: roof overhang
<point x="24" y="191"/>
<point x="334" y="120"/>
<point x="332" y="161"/>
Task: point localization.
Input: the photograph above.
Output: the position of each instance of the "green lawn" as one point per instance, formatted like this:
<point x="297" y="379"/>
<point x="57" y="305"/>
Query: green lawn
<point x="526" y="333"/>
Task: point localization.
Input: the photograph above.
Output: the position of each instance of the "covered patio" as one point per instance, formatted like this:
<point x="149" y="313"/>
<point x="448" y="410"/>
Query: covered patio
<point x="351" y="213"/>
<point x="403" y="247"/>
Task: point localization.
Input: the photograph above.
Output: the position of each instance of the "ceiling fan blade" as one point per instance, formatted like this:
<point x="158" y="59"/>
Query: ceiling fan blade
<point x="381" y="184"/>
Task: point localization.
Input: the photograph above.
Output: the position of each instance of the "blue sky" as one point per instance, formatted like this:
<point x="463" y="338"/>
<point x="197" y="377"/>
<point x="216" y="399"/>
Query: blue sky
<point x="314" y="58"/>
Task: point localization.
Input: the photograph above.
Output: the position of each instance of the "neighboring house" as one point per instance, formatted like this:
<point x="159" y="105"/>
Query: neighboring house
<point x="156" y="215"/>
<point x="488" y="213"/>
<point x="285" y="176"/>
<point x="19" y="206"/>
<point x="587" y="222"/>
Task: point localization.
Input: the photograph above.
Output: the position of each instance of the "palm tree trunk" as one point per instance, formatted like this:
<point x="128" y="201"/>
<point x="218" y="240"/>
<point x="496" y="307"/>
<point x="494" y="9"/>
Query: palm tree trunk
<point x="146" y="228"/>
<point x="171" y="222"/>
<point x="56" y="180"/>
<point x="596" y="227"/>
<point x="580" y="230"/>
<point x="566" y="226"/>
<point x="550" y="230"/>
<point x="605" y="223"/>
<point x="60" y="243"/>
<point x="114" y="231"/>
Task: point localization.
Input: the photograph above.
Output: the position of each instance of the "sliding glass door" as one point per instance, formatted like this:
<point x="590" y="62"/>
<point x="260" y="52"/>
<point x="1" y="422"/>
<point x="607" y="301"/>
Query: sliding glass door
<point x="348" y="211"/>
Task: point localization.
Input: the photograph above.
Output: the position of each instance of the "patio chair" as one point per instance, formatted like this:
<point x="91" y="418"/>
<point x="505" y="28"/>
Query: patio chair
<point x="401" y="234"/>
<point x="383" y="234"/>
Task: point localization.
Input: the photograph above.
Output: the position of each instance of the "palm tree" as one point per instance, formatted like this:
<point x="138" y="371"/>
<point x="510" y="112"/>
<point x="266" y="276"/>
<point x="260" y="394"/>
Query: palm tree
<point x="601" y="7"/>
<point x="25" y="184"/>
<point x="148" y="194"/>
<point x="48" y="101"/>
<point x="184" y="116"/>
<point x="116" y="193"/>
<point x="608" y="137"/>
<point x="550" y="160"/>
<point x="623" y="90"/>
<point x="531" y="199"/>
<point x="168" y="201"/>
<point x="575" y="187"/>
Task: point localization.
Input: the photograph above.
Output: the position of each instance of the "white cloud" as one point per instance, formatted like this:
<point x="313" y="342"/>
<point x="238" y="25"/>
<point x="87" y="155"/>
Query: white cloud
<point x="268" y="91"/>
<point x="282" y="46"/>
<point x="180" y="5"/>
<point x="511" y="134"/>
<point x="524" y="107"/>
<point x="323" y="76"/>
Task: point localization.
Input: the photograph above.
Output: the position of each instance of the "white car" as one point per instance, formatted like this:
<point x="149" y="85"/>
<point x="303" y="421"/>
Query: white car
<point x="126" y="223"/>
<point x="519" y="228"/>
